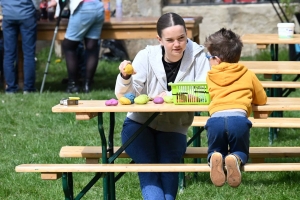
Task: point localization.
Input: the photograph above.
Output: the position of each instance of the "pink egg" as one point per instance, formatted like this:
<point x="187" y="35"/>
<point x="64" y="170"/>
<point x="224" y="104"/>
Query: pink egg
<point x="158" y="100"/>
<point x="111" y="102"/>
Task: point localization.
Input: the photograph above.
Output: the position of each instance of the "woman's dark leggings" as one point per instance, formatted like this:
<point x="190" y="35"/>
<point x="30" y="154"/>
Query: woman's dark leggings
<point x="72" y="59"/>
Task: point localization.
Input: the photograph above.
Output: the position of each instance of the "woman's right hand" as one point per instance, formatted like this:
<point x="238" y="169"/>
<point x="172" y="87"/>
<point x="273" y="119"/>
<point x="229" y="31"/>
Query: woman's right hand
<point x="122" y="69"/>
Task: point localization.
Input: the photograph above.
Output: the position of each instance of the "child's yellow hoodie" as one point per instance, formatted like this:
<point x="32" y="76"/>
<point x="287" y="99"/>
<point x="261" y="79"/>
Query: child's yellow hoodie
<point x="233" y="86"/>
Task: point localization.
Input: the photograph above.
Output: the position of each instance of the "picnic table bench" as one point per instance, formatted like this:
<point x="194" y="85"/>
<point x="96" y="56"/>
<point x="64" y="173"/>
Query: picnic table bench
<point x="262" y="41"/>
<point x="92" y="154"/>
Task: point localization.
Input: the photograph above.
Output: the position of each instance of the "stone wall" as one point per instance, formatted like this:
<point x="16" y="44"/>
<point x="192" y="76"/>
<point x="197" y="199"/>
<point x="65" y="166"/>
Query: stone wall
<point x="259" y="18"/>
<point x="247" y="18"/>
<point x="139" y="8"/>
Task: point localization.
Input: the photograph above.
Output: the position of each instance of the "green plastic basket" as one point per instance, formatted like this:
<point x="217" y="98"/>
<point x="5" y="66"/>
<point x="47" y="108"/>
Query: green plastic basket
<point x="190" y="93"/>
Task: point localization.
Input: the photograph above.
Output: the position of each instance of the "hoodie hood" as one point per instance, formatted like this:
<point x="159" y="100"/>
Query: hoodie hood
<point x="226" y="73"/>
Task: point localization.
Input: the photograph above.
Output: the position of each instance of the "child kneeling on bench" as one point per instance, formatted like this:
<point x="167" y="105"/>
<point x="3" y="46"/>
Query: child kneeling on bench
<point x="232" y="88"/>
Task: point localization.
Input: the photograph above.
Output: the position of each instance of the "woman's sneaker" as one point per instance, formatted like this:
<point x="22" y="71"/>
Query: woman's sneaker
<point x="234" y="176"/>
<point x="217" y="174"/>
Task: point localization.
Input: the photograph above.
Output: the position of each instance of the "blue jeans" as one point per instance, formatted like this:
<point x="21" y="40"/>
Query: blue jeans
<point x="11" y="30"/>
<point x="153" y="146"/>
<point x="232" y="131"/>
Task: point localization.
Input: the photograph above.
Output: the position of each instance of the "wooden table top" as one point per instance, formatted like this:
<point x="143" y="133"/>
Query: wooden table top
<point x="121" y="29"/>
<point x="95" y="106"/>
<point x="271" y="67"/>
<point x="263" y="39"/>
<point x="123" y="23"/>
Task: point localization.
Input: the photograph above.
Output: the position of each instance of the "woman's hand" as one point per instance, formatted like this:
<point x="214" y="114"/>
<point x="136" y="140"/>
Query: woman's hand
<point x="162" y="94"/>
<point x="122" y="69"/>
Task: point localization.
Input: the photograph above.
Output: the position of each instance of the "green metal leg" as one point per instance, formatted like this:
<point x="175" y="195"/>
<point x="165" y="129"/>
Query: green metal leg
<point x="89" y="185"/>
<point x="112" y="190"/>
<point x="276" y="92"/>
<point x="67" y="183"/>
<point x="104" y="156"/>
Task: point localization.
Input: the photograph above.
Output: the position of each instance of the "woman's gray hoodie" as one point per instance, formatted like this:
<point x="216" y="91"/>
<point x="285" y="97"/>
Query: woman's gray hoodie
<point x="150" y="79"/>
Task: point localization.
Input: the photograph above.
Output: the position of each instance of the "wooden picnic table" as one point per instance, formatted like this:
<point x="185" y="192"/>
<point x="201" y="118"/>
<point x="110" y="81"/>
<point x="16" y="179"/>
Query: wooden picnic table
<point x="122" y="29"/>
<point x="92" y="108"/>
<point x="87" y="109"/>
<point x="263" y="40"/>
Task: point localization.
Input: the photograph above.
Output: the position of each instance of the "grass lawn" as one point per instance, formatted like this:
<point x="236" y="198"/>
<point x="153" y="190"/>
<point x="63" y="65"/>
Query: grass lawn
<point x="31" y="133"/>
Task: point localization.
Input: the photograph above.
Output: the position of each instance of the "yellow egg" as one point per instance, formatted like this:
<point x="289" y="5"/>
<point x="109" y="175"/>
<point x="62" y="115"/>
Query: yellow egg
<point x="124" y="101"/>
<point x="128" y="69"/>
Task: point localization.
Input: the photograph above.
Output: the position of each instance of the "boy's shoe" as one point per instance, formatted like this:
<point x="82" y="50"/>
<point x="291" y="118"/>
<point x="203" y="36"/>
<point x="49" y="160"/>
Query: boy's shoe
<point x="217" y="174"/>
<point x="234" y="176"/>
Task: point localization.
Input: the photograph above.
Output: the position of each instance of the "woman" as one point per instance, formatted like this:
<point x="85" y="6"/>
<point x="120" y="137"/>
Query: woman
<point x="85" y="24"/>
<point x="164" y="141"/>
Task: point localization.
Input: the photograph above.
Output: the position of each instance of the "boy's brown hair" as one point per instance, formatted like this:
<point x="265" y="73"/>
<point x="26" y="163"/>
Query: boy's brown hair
<point x="224" y="44"/>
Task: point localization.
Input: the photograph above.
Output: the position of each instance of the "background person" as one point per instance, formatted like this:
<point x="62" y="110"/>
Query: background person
<point x="85" y="24"/>
<point x="19" y="17"/>
<point x="232" y="88"/>
<point x="177" y="58"/>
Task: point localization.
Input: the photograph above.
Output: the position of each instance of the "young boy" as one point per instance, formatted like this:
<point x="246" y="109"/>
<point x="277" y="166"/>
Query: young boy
<point x="232" y="88"/>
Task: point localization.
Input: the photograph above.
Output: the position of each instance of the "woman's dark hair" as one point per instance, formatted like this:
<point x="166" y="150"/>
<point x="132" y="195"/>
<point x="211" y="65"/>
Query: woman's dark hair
<point x="168" y="20"/>
<point x="225" y="44"/>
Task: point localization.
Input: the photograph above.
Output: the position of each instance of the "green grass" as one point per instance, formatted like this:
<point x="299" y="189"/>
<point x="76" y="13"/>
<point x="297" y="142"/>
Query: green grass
<point x="31" y="133"/>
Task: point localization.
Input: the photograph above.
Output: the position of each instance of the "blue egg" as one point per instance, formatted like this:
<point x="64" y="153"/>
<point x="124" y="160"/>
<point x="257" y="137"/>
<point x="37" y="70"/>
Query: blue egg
<point x="130" y="96"/>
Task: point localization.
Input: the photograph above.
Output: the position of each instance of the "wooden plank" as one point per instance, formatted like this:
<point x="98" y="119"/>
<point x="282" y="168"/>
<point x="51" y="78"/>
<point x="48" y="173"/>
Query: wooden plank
<point x="273" y="67"/>
<point x="264" y="39"/>
<point x="261" y="46"/>
<point x="262" y="123"/>
<point x="95" y="152"/>
<point x="280" y="84"/>
<point x="279" y="104"/>
<point x="122" y="29"/>
<point x="271" y="167"/>
<point x="94" y="106"/>
<point x="51" y="175"/>
<point x="85" y="152"/>
<point x="261" y="114"/>
<point x="85" y="116"/>
<point x="111" y="168"/>
<point x="149" y="167"/>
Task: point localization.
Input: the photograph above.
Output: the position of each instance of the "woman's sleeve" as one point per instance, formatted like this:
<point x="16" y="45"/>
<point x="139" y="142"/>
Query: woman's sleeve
<point x="202" y="66"/>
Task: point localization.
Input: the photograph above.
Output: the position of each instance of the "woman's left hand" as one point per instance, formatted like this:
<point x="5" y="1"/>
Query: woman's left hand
<point x="162" y="94"/>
